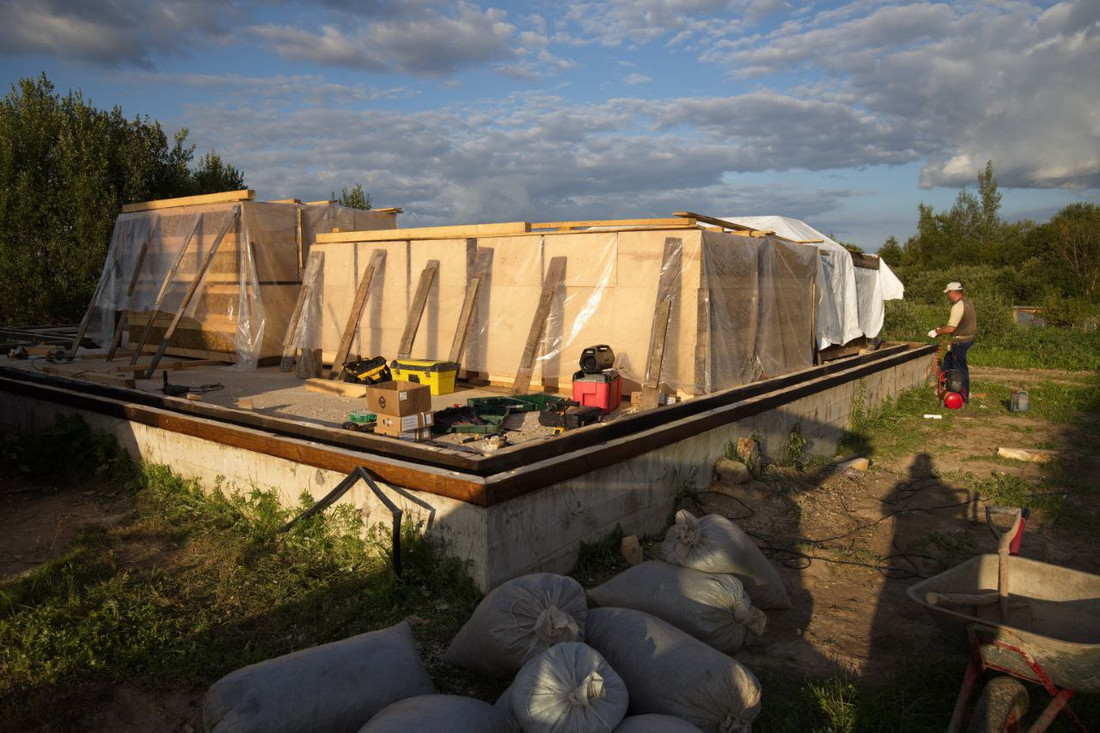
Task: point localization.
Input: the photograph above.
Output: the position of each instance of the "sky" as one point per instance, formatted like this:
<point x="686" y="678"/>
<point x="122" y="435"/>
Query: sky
<point x="846" y="115"/>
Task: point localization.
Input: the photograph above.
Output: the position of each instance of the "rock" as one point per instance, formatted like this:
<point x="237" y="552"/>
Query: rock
<point x="733" y="472"/>
<point x="1034" y="455"/>
<point x="632" y="550"/>
<point x="855" y="464"/>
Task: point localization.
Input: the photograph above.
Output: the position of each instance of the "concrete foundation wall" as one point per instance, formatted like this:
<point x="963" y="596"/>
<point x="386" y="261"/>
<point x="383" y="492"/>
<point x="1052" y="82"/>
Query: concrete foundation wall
<point x="538" y="531"/>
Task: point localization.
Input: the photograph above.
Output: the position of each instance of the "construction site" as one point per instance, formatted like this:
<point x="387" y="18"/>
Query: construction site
<point x="710" y="329"/>
<point x="518" y="391"/>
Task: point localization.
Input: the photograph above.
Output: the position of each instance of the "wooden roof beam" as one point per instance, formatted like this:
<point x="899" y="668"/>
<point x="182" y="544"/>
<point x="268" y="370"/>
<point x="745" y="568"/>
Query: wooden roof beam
<point x="225" y="197"/>
<point x="450" y="232"/>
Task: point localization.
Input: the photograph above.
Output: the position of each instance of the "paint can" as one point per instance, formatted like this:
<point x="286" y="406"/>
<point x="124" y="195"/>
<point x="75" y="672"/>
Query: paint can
<point x="1019" y="401"/>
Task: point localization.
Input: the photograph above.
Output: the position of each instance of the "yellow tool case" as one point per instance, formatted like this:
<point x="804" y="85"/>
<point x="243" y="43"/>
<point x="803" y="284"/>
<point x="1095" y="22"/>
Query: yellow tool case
<point x="438" y="375"/>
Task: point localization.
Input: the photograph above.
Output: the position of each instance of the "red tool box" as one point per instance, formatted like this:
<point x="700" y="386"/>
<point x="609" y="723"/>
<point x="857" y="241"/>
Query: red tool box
<point x="603" y="389"/>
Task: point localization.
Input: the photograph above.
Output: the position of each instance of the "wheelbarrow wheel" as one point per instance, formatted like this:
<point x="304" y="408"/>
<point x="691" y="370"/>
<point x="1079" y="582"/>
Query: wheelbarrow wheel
<point x="1003" y="701"/>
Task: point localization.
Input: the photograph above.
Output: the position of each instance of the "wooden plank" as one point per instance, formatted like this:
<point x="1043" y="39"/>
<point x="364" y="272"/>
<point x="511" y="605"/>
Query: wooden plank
<point x="164" y="285"/>
<point x="867" y="262"/>
<point x="225" y="197"/>
<point x="678" y="223"/>
<point x="469" y="304"/>
<point x="416" y="311"/>
<point x="284" y="201"/>
<point x="713" y="221"/>
<point x="172" y="365"/>
<point x="135" y="276"/>
<point x="328" y="386"/>
<point x="192" y="288"/>
<point x="355" y="316"/>
<point x="451" y="232"/>
<point x="555" y="273"/>
<point x="651" y="386"/>
<point x="113" y="380"/>
<point x="668" y="280"/>
<point x="309" y="282"/>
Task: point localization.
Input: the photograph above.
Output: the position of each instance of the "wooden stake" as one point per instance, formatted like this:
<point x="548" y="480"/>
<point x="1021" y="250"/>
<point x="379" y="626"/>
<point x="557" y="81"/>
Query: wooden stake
<point x="377" y="259"/>
<point x="702" y="341"/>
<point x="465" y="318"/>
<point x="310" y="281"/>
<point x="417" y="310"/>
<point x="165" y="284"/>
<point x="555" y="273"/>
<point x="195" y="282"/>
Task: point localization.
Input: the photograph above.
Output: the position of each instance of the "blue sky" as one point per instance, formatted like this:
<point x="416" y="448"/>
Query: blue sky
<point x="843" y="114"/>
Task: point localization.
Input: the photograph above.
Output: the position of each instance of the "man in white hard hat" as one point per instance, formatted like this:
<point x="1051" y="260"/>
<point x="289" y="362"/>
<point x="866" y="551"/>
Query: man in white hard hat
<point x="962" y="324"/>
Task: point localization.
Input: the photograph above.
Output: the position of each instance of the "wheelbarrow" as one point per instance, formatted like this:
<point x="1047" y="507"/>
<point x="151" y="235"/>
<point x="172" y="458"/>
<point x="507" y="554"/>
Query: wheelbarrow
<point x="1027" y="619"/>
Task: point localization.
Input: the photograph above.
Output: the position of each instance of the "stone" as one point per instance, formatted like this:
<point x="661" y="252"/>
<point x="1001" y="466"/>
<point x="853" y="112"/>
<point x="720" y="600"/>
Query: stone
<point x="732" y="472"/>
<point x="632" y="550"/>
<point x="855" y="464"/>
<point x="748" y="452"/>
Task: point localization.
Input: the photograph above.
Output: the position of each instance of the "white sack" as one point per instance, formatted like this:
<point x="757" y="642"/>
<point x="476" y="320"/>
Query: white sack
<point x="654" y="723"/>
<point x="330" y="688"/>
<point x="714" y="544"/>
<point x="516" y="621"/>
<point x="712" y="607"/>
<point x="670" y="672"/>
<point x="438" y="713"/>
<point x="568" y="688"/>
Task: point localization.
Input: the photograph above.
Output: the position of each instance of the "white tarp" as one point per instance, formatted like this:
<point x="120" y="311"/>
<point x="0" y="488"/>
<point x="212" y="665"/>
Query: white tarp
<point x="851" y="302"/>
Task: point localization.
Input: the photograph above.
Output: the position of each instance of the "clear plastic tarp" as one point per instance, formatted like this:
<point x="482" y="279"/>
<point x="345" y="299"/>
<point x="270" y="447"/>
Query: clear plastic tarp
<point x="851" y="299"/>
<point x="239" y="308"/>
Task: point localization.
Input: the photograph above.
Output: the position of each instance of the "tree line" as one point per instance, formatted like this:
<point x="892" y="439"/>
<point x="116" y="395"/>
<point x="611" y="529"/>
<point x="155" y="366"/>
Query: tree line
<point x="1056" y="263"/>
<point x="66" y="169"/>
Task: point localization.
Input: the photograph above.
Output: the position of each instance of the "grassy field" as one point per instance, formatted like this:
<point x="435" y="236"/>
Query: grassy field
<point x="185" y="585"/>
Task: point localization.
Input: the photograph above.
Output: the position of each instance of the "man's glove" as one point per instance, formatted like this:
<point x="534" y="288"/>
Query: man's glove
<point x="932" y="334"/>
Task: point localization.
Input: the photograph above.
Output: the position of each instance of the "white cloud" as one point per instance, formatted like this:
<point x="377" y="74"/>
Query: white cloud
<point x="426" y="44"/>
<point x="124" y="32"/>
<point x="957" y="84"/>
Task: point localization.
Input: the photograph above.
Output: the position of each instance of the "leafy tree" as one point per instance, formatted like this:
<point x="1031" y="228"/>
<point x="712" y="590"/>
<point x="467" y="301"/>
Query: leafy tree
<point x="66" y="168"/>
<point x="212" y="176"/>
<point x="356" y="198"/>
<point x="968" y="233"/>
<point x="890" y="252"/>
<point x="1073" y="235"/>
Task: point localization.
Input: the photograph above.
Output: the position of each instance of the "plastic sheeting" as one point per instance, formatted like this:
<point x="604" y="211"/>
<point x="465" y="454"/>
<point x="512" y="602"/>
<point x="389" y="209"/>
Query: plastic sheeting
<point x="242" y="304"/>
<point x="850" y="303"/>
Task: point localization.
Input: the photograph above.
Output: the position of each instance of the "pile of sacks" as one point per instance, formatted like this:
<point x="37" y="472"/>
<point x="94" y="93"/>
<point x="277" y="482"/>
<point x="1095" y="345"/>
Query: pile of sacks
<point x="652" y="656"/>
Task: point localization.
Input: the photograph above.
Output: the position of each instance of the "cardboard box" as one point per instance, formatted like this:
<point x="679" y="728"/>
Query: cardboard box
<point x="395" y="425"/>
<point x="398" y="399"/>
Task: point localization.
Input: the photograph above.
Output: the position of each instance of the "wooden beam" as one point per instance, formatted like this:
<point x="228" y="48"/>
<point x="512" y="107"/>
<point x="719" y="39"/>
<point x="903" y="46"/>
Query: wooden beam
<point x="469" y="304"/>
<point x="388" y="210"/>
<point x="124" y="317"/>
<point x="711" y="220"/>
<point x="671" y="267"/>
<point x="172" y="365"/>
<point x="678" y="223"/>
<point x="867" y="262"/>
<point x="113" y="380"/>
<point x="309" y="282"/>
<point x="452" y="232"/>
<point x="329" y="386"/>
<point x="235" y="216"/>
<point x="225" y="197"/>
<point x="325" y="202"/>
<point x="702" y="341"/>
<point x="283" y="201"/>
<point x="355" y="316"/>
<point x="555" y="274"/>
<point x="164" y="285"/>
<point x="416" y="311"/>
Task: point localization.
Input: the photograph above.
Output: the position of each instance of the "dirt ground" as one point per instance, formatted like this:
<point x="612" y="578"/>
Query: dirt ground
<point x="873" y="534"/>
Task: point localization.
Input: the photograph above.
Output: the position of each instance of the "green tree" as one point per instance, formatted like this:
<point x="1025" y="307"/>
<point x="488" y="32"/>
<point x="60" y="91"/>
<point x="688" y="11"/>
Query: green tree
<point x="967" y="234"/>
<point x="890" y="252"/>
<point x="66" y="168"/>
<point x="1073" y="235"/>
<point x="212" y="176"/>
<point x="356" y="198"/>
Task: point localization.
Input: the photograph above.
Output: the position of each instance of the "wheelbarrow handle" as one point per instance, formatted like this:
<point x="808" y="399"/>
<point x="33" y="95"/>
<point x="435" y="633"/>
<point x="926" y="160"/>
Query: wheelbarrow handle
<point x="1004" y="544"/>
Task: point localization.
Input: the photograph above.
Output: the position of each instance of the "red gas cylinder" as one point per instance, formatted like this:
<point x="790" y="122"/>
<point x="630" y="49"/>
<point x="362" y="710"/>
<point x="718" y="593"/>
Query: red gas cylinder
<point x="953" y="400"/>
